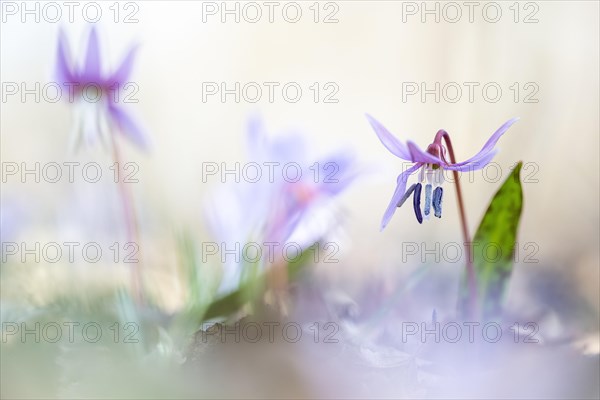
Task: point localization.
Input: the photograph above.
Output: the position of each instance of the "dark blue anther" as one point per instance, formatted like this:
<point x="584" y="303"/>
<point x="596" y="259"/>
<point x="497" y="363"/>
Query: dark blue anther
<point x="437" y="201"/>
<point x="406" y="195"/>
<point x="427" y="207"/>
<point x="417" y="203"/>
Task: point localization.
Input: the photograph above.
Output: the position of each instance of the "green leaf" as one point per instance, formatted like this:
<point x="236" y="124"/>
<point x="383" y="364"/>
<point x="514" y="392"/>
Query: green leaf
<point x="201" y="281"/>
<point x="251" y="289"/>
<point x="230" y="303"/>
<point x="296" y="265"/>
<point x="493" y="248"/>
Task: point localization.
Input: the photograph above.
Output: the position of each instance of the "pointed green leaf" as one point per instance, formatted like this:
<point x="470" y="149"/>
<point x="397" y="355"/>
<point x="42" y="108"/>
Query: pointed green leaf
<point x="493" y="247"/>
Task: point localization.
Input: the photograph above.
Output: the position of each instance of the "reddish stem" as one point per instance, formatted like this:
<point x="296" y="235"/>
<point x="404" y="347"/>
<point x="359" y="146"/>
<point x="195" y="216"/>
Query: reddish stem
<point x="130" y="224"/>
<point x="472" y="283"/>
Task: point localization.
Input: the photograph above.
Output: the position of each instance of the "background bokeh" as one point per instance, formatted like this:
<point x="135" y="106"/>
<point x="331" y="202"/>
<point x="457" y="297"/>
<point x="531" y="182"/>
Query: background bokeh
<point x="368" y="53"/>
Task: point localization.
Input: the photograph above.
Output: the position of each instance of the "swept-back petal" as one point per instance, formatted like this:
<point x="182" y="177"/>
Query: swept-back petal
<point x="128" y="126"/>
<point x="390" y="142"/>
<point x="483" y="154"/>
<point x="478" y="162"/>
<point x="489" y="145"/>
<point x="418" y="155"/>
<point x="91" y="68"/>
<point x="64" y="72"/>
<point x="398" y="193"/>
<point x="122" y="73"/>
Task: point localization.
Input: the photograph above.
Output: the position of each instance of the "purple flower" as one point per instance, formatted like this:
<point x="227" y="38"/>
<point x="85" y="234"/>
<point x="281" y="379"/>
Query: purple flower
<point x="431" y="164"/>
<point x="281" y="207"/>
<point x="98" y="95"/>
<point x="306" y="183"/>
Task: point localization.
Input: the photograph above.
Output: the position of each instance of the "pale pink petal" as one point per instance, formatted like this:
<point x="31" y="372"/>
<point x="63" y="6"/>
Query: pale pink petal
<point x="395" y="146"/>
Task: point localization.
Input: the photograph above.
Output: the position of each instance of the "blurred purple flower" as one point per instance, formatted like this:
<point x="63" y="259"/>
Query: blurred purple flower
<point x="279" y="208"/>
<point x="291" y="198"/>
<point x="431" y="164"/>
<point x="98" y="95"/>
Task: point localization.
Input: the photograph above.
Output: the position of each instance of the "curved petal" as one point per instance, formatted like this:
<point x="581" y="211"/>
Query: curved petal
<point x="398" y="193"/>
<point x="395" y="146"/>
<point x="63" y="72"/>
<point x="91" y="67"/>
<point x="482" y="155"/>
<point x="489" y="145"/>
<point x="121" y="75"/>
<point x="420" y="156"/>
<point x="476" y="163"/>
<point x="129" y="127"/>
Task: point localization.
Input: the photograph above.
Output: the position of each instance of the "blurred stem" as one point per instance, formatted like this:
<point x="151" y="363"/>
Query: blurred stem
<point x="131" y="224"/>
<point x="277" y="282"/>
<point x="465" y="231"/>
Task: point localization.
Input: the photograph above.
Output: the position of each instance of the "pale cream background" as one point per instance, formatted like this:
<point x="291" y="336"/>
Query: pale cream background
<point x="369" y="53"/>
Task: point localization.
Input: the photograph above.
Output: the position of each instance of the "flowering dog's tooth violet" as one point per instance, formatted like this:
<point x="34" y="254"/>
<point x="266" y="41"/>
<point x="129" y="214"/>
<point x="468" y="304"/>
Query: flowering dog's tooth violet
<point x="431" y="164"/>
<point x="98" y="96"/>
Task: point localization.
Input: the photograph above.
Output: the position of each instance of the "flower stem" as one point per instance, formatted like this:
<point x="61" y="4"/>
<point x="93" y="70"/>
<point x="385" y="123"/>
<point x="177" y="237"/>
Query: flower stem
<point x="131" y="224"/>
<point x="472" y="283"/>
